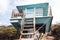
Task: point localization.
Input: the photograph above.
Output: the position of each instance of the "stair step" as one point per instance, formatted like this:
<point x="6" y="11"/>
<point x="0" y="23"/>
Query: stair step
<point x="26" y="38"/>
<point x="27" y="27"/>
<point x="29" y="19"/>
<point x="27" y="33"/>
<point x="30" y="31"/>
<point x="28" y="22"/>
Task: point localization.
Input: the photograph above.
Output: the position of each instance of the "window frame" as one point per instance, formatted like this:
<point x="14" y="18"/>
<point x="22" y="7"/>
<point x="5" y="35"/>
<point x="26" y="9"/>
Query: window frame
<point x="40" y="13"/>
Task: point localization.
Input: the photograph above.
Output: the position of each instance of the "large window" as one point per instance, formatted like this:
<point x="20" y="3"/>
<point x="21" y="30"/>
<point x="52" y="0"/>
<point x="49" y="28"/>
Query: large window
<point x="39" y="11"/>
<point x="29" y="11"/>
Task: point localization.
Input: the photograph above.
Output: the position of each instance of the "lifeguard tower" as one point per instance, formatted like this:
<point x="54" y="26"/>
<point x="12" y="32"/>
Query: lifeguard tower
<point x="32" y="20"/>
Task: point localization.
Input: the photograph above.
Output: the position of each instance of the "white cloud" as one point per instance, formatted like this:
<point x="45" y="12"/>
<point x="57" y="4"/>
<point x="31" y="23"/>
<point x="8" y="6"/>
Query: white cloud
<point x="4" y="12"/>
<point x="24" y="2"/>
<point x="7" y="5"/>
<point x="6" y="24"/>
<point x="55" y="4"/>
<point x="3" y="5"/>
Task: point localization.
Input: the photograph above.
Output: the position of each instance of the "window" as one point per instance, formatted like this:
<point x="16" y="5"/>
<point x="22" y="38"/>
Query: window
<point x="29" y="11"/>
<point x="21" y="11"/>
<point x="39" y="12"/>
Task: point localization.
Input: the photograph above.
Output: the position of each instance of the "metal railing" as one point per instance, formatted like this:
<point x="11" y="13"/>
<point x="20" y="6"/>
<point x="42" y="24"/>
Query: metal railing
<point x="16" y="14"/>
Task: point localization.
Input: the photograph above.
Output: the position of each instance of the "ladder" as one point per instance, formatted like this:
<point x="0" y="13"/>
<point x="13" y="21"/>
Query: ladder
<point x="27" y="29"/>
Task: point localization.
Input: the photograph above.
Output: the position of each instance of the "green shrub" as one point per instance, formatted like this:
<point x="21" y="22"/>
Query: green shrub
<point x="8" y="29"/>
<point x="8" y="32"/>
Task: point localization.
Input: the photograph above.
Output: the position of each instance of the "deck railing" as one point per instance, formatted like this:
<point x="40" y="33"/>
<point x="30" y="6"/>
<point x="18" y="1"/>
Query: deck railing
<point x="16" y="14"/>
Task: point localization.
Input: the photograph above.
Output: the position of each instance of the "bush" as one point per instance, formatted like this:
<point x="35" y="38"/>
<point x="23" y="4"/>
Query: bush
<point x="56" y="32"/>
<point x="7" y="29"/>
<point x="7" y="33"/>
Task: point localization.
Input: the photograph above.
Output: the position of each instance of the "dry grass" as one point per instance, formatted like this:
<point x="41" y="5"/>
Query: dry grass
<point x="54" y="35"/>
<point x="55" y="31"/>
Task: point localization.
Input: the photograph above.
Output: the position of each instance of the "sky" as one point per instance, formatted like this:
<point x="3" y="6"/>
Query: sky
<point x="6" y="7"/>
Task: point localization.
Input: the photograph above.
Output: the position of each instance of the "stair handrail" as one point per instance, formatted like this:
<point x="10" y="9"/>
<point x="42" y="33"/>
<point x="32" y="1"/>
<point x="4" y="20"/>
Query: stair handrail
<point x="22" y="21"/>
<point x="39" y="29"/>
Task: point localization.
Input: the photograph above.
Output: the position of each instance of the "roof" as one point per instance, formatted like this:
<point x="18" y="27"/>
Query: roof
<point x="42" y="5"/>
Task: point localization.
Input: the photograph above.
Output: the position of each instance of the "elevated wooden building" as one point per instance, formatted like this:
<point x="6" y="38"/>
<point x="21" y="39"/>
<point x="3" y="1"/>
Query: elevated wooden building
<point x="32" y="19"/>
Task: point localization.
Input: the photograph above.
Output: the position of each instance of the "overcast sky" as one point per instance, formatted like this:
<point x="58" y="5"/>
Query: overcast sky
<point x="6" y="7"/>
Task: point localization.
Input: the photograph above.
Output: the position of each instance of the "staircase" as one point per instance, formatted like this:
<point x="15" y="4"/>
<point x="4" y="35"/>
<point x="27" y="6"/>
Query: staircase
<point x="27" y="30"/>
